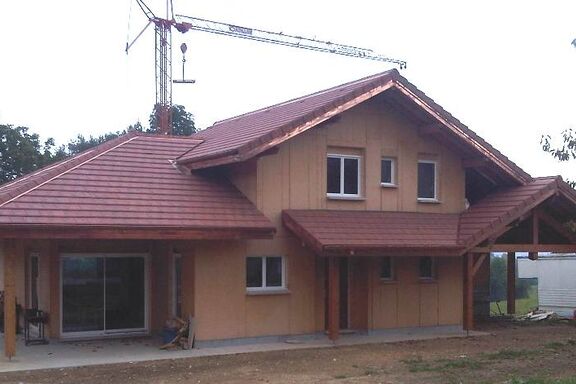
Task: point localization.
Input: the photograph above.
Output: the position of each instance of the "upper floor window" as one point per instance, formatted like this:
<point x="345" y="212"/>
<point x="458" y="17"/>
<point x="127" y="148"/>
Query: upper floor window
<point x="427" y="180"/>
<point x="343" y="176"/>
<point x="388" y="172"/>
<point x="265" y="273"/>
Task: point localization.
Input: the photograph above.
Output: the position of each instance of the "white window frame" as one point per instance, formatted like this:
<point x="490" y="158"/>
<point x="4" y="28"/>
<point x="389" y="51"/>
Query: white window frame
<point x="429" y="199"/>
<point x="392" y="269"/>
<point x="392" y="182"/>
<point x="342" y="158"/>
<point x="264" y="288"/>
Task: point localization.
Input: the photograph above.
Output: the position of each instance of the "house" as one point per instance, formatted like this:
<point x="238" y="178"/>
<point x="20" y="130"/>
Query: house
<point x="364" y="206"/>
<point x="556" y="283"/>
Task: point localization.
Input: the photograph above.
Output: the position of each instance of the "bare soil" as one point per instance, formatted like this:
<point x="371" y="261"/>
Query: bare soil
<point x="511" y="353"/>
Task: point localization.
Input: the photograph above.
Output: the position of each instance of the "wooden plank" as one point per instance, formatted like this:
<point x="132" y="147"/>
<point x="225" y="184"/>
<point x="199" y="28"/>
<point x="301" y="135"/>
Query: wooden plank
<point x="511" y="283"/>
<point x="556" y="248"/>
<point x="333" y="298"/>
<point x="10" y="250"/>
<point x="45" y="232"/>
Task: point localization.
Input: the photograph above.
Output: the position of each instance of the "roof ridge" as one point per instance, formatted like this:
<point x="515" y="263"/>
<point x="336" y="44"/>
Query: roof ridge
<point x="303" y="97"/>
<point x="98" y="151"/>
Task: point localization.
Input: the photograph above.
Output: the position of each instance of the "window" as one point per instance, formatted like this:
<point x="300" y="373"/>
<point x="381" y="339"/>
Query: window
<point x="388" y="172"/>
<point x="264" y="273"/>
<point x="427" y="181"/>
<point x="386" y="268"/>
<point x="343" y="176"/>
<point x="427" y="268"/>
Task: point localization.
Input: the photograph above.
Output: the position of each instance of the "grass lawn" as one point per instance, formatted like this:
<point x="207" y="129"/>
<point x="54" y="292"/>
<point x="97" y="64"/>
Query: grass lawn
<point x="523" y="305"/>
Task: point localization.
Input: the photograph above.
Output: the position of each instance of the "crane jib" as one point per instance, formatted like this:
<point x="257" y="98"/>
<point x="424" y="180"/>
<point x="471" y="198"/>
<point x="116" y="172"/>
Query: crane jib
<point x="238" y="29"/>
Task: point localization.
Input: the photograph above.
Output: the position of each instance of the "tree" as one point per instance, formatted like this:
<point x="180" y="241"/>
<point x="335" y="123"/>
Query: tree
<point x="565" y="152"/>
<point x="81" y="143"/>
<point x="182" y="121"/>
<point x="22" y="152"/>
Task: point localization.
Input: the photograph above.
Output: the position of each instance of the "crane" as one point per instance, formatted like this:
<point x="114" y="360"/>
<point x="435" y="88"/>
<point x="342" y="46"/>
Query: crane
<point x="183" y="24"/>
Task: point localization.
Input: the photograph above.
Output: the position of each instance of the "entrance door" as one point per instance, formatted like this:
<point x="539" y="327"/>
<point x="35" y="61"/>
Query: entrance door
<point x="103" y="294"/>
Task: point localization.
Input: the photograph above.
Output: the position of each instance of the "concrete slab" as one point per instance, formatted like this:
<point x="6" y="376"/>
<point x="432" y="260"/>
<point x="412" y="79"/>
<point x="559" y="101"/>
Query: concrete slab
<point x="82" y="353"/>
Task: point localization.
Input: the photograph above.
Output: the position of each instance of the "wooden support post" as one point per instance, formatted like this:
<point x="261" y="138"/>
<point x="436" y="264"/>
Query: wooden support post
<point x="511" y="283"/>
<point x="535" y="234"/>
<point x="469" y="292"/>
<point x="333" y="298"/>
<point x="10" y="250"/>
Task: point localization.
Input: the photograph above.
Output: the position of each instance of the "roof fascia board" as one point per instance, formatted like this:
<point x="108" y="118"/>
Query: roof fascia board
<point x="460" y="133"/>
<point x="83" y="232"/>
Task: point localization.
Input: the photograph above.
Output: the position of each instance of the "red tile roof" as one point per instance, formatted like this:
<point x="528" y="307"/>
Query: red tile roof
<point x="494" y="212"/>
<point x="130" y="182"/>
<point x="373" y="232"/>
<point x="242" y="137"/>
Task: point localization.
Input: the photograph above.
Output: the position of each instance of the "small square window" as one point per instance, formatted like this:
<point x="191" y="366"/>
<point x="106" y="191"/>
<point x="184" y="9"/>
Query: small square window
<point x="427" y="268"/>
<point x="343" y="176"/>
<point x="388" y="172"/>
<point x="427" y="180"/>
<point x="386" y="268"/>
<point x="266" y="272"/>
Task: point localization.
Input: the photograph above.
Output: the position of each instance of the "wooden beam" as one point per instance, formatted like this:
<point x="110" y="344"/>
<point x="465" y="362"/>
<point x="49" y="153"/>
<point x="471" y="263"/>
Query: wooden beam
<point x="556" y="226"/>
<point x="333" y="298"/>
<point x="556" y="248"/>
<point x="511" y="283"/>
<point x="478" y="263"/>
<point x="469" y="291"/>
<point x="10" y="250"/>
<point x="535" y="234"/>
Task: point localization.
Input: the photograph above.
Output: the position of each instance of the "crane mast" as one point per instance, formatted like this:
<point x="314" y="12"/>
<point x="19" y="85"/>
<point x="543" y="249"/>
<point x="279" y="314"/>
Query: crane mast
<point x="182" y="23"/>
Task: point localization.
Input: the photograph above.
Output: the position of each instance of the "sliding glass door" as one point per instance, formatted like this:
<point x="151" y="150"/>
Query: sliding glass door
<point x="103" y="294"/>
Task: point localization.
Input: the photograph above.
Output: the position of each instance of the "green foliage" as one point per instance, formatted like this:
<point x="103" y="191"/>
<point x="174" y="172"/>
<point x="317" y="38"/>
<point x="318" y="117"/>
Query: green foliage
<point x="566" y="151"/>
<point x="22" y="152"/>
<point x="81" y="143"/>
<point x="182" y="121"/>
<point x="498" y="269"/>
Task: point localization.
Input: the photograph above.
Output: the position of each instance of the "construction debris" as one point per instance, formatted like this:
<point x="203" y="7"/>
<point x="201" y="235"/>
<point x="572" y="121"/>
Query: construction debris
<point x="184" y="338"/>
<point x="539" y="315"/>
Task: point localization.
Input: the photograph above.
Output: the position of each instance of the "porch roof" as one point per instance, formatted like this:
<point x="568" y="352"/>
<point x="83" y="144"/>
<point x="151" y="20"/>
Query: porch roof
<point x="365" y="233"/>
<point x="362" y="233"/>
<point x="128" y="188"/>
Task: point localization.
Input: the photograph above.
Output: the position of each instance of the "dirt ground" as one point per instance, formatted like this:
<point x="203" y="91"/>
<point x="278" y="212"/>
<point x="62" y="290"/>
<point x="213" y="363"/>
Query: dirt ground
<point x="511" y="353"/>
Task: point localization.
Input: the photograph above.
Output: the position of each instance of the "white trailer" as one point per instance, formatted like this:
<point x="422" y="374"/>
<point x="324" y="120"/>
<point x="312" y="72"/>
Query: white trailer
<point x="556" y="275"/>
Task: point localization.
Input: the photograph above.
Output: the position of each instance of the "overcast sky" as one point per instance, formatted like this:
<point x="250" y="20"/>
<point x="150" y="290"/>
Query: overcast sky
<point x="504" y="68"/>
